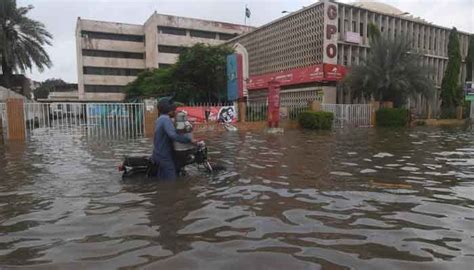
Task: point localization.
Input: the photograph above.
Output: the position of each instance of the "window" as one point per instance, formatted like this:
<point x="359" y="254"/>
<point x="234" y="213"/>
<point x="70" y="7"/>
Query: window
<point x="172" y="31"/>
<point x="353" y="26"/>
<point x="170" y="49"/>
<point x="224" y="36"/>
<point x="203" y="34"/>
<point x="160" y="65"/>
<point x="361" y="29"/>
<point x="339" y="25"/>
<point x="111" y="71"/>
<point x="111" y="36"/>
<point x="111" y="54"/>
<point x="104" y="88"/>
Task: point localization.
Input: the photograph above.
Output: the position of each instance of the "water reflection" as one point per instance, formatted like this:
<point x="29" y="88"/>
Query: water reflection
<point x="363" y="199"/>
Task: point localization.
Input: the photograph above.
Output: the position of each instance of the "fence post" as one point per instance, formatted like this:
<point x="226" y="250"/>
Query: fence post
<point x="16" y="119"/>
<point x="1" y="127"/>
<point x="315" y="105"/>
<point x="374" y="106"/>
<point x="242" y="109"/>
<point x="151" y="113"/>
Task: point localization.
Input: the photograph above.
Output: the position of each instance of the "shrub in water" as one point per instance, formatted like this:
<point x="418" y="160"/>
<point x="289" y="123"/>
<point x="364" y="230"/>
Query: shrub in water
<point x="316" y="120"/>
<point x="388" y="117"/>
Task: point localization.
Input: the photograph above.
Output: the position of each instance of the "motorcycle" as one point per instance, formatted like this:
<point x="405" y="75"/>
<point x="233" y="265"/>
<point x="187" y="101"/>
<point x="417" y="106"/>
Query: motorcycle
<point x="142" y="165"/>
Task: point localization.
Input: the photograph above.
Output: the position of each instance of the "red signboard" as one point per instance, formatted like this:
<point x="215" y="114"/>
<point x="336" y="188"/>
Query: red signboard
<point x="316" y="73"/>
<point x="334" y="72"/>
<point x="273" y="103"/>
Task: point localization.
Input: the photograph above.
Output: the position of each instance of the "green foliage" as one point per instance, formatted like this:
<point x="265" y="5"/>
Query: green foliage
<point x="198" y="76"/>
<point x="47" y="87"/>
<point x="21" y="40"/>
<point x="389" y="117"/>
<point x="391" y="72"/>
<point x="316" y="120"/>
<point x="470" y="59"/>
<point x="373" y="31"/>
<point x="151" y="83"/>
<point x="451" y="94"/>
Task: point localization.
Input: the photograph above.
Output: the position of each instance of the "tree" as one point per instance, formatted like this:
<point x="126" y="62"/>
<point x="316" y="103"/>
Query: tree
<point x="470" y="59"/>
<point x="391" y="72"/>
<point x="198" y="76"/>
<point x="21" y="40"/>
<point x="451" y="94"/>
<point x="373" y="31"/>
<point x="48" y="86"/>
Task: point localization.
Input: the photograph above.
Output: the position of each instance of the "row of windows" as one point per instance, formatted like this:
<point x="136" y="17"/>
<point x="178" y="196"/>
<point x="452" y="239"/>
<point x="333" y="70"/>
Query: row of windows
<point x="112" y="36"/>
<point x="93" y="88"/>
<point x="170" y="49"/>
<point x="112" y="54"/>
<point x="194" y="33"/>
<point x="111" y="71"/>
<point x="161" y="65"/>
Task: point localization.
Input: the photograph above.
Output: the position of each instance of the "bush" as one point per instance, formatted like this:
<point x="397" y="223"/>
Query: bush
<point x="316" y="120"/>
<point x="388" y="117"/>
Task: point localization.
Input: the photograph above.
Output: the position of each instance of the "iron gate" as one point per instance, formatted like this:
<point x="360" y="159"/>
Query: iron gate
<point x="350" y="115"/>
<point x="101" y="119"/>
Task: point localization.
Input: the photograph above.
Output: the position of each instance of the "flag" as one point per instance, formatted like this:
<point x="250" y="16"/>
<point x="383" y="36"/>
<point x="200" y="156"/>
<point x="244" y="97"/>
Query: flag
<point x="247" y="12"/>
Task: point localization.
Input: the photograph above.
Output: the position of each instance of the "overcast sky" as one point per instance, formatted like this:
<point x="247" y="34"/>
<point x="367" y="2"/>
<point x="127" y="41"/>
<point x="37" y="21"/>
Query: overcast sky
<point x="60" y="17"/>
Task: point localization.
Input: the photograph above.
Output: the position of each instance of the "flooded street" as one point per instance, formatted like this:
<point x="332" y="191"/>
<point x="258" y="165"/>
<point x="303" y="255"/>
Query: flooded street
<point x="354" y="198"/>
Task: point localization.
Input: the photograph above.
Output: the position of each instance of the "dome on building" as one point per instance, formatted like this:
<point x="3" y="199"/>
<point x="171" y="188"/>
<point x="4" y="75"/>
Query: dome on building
<point x="379" y="7"/>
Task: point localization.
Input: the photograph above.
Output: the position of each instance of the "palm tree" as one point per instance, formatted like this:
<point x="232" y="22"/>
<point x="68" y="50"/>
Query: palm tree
<point x="391" y="72"/>
<point x="21" y="41"/>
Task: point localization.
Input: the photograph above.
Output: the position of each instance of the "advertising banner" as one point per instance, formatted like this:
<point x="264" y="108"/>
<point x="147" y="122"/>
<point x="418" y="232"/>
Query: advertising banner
<point x="316" y="73"/>
<point x="235" y="83"/>
<point x="226" y="114"/>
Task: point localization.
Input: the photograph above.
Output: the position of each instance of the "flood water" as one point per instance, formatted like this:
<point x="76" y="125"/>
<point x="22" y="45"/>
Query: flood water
<point x="349" y="199"/>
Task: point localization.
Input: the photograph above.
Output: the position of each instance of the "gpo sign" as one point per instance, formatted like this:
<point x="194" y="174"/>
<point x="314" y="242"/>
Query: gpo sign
<point x="330" y="33"/>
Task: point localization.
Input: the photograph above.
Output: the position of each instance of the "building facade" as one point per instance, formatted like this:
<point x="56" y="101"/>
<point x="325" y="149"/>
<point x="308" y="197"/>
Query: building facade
<point x="304" y="47"/>
<point x="110" y="55"/>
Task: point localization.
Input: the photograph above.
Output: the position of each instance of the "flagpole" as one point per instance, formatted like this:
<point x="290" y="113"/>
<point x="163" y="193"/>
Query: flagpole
<point x="245" y="15"/>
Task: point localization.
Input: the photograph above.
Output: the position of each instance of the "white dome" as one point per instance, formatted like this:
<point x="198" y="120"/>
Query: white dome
<point x="379" y="7"/>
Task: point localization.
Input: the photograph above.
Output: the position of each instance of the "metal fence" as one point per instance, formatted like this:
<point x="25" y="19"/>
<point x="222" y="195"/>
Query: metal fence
<point x="350" y="115"/>
<point x="102" y="119"/>
<point x="292" y="103"/>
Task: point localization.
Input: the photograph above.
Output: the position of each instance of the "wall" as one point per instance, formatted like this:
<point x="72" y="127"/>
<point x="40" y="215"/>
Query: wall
<point x="85" y="42"/>
<point x="150" y="45"/>
<point x="292" y="41"/>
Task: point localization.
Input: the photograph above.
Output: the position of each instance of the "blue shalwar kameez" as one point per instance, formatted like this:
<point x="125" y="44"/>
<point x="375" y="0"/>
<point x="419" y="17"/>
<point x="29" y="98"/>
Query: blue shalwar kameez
<point x="165" y="134"/>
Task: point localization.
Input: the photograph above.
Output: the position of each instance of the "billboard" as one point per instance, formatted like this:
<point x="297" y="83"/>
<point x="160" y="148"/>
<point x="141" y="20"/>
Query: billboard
<point x="316" y="73"/>
<point x="235" y="83"/>
<point x="227" y="114"/>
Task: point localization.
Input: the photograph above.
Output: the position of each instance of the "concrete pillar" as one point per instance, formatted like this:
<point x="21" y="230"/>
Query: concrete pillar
<point x="329" y="95"/>
<point x="151" y="114"/>
<point x="242" y="109"/>
<point x="315" y="106"/>
<point x="459" y="112"/>
<point x="16" y="119"/>
<point x="387" y="105"/>
<point x="1" y="129"/>
<point x="375" y="105"/>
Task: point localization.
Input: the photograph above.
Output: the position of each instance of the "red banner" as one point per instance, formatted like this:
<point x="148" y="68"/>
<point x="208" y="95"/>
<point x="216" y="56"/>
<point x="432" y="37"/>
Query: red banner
<point x="198" y="114"/>
<point x="316" y="73"/>
<point x="334" y="72"/>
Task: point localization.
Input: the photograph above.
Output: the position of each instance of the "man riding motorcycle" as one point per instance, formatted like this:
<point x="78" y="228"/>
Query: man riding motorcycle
<point x="165" y="134"/>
